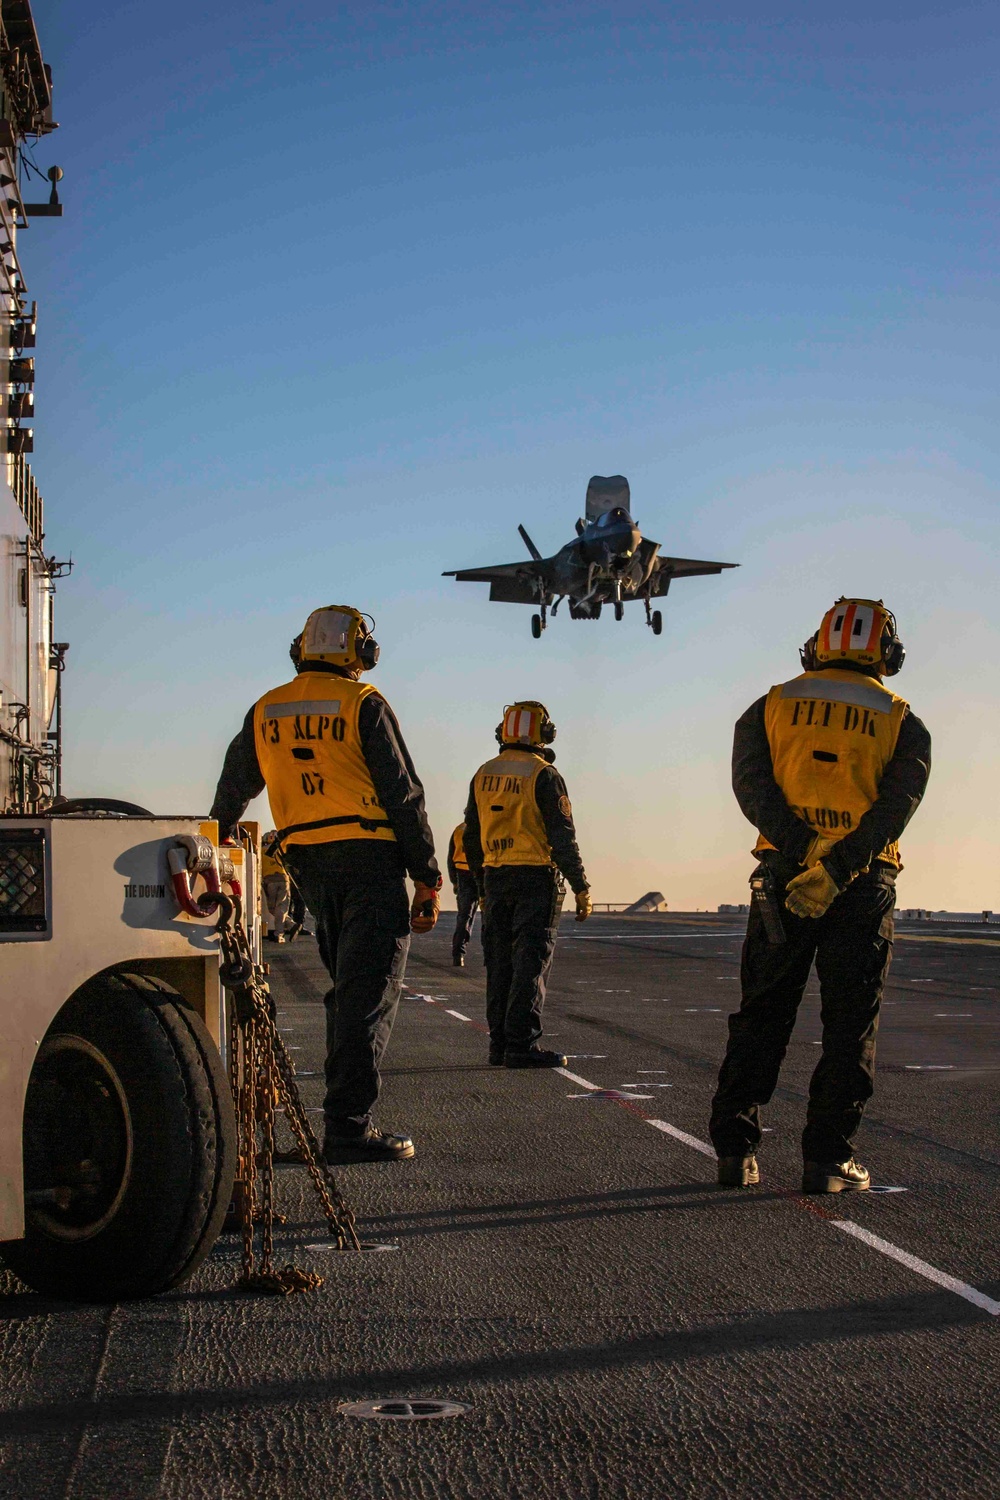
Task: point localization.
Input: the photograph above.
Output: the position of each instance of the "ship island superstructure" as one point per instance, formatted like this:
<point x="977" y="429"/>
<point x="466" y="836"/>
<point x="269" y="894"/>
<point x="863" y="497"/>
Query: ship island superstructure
<point x="31" y="661"/>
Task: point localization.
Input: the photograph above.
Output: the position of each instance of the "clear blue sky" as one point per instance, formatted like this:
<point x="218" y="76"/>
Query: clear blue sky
<point x="344" y="292"/>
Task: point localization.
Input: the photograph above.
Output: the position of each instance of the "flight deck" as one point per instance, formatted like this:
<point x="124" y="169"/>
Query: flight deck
<point x="558" y="1260"/>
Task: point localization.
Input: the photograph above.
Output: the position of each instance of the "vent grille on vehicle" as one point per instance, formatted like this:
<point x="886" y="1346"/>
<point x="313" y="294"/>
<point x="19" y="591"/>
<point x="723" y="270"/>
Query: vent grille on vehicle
<point x="22" y="880"/>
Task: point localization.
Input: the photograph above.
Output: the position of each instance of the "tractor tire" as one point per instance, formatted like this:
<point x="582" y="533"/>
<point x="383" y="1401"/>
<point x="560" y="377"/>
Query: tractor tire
<point x="129" y="1145"/>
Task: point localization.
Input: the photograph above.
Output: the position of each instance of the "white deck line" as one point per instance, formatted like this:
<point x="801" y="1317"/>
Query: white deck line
<point x="575" y="1078"/>
<point x="458" y="1015"/>
<point x="914" y="1263"/>
<point x="683" y="1137"/>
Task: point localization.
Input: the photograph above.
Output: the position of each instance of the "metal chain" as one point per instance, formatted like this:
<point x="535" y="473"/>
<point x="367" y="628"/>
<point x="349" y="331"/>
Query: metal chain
<point x="262" y="1073"/>
<point x="338" y="1215"/>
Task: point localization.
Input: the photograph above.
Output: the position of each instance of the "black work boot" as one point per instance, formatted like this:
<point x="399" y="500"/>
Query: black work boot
<point x="496" y="1054"/>
<point x="535" y="1057"/>
<point x="458" y="961"/>
<point x="738" y="1171"/>
<point x="374" y="1145"/>
<point x="835" y="1177"/>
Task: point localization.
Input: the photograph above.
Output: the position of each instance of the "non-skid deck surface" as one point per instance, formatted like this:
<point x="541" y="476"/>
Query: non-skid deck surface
<point x="618" y="1325"/>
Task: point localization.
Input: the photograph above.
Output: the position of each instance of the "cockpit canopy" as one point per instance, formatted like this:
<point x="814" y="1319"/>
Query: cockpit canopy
<point x="619" y="516"/>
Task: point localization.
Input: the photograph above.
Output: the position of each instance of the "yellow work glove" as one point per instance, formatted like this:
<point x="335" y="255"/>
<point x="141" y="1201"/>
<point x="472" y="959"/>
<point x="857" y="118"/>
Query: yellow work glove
<point x="818" y="849"/>
<point x="426" y="906"/>
<point x="811" y="893"/>
<point x="584" y="905"/>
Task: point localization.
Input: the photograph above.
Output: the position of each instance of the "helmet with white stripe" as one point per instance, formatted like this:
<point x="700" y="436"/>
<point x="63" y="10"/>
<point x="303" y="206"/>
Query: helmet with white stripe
<point x="526" y="723"/>
<point x="856" y="633"/>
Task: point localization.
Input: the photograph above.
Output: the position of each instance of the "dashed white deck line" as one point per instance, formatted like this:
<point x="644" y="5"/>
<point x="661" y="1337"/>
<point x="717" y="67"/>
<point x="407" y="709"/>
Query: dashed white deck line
<point x="683" y="1137"/>
<point x="874" y="1241"/>
<point x="458" y="1015"/>
<point x="921" y="1267"/>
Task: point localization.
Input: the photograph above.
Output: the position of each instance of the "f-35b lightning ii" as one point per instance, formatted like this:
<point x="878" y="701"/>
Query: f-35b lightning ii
<point x="609" y="562"/>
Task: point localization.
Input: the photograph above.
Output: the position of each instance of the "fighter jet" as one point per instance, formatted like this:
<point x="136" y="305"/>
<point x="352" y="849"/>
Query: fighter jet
<point x="609" y="562"/>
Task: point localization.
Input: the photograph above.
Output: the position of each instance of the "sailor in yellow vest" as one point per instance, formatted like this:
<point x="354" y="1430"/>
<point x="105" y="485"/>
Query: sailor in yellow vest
<point x="351" y="822"/>
<point x="463" y="883"/>
<point x="520" y="842"/>
<point x="830" y="767"/>
<point x="275" y="887"/>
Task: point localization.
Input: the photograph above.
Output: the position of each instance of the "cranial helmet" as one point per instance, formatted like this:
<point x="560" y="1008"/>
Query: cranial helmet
<point x="339" y="635"/>
<point x="859" y="633"/>
<point x="526" y="723"/>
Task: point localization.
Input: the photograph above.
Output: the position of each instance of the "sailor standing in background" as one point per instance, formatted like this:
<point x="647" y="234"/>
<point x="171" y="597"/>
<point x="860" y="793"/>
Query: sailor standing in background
<point x="463" y="883"/>
<point x="830" y="767"/>
<point x="520" y="842"/>
<point x="275" y="887"/>
<point x="351" y="824"/>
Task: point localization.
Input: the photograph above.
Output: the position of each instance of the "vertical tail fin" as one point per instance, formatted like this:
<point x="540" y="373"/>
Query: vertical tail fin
<point x="526" y="539"/>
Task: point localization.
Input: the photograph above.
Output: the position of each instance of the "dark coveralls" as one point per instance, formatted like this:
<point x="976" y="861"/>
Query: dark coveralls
<point x="851" y="944"/>
<point x="467" y="895"/>
<point x="521" y="909"/>
<point x="355" y="889"/>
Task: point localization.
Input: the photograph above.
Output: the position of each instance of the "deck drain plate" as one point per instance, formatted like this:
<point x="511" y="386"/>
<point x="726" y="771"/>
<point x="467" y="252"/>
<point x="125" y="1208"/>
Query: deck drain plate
<point x="403" y="1409"/>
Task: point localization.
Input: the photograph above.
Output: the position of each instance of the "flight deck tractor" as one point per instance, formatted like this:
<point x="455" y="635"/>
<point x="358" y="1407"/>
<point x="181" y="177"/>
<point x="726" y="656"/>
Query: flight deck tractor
<point x="118" y="1136"/>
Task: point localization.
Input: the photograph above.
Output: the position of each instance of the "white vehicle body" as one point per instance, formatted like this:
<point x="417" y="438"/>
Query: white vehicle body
<point x="108" y="903"/>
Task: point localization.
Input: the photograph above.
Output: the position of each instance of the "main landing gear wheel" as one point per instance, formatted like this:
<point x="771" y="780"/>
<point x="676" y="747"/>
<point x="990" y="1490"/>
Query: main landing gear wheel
<point x="129" y="1145"/>
<point x="619" y="611"/>
<point x="536" y="627"/>
<point x="657" y="622"/>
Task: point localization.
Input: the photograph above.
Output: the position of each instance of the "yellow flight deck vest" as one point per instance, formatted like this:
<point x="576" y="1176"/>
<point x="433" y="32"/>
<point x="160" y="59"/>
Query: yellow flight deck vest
<point x="511" y="829"/>
<point x="459" y="858"/>
<point x="270" y="866"/>
<point x="832" y="734"/>
<point x="309" y="749"/>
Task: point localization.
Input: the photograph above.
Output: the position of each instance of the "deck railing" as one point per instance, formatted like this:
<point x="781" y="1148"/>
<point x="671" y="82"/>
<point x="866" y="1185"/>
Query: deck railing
<point x="29" y="501"/>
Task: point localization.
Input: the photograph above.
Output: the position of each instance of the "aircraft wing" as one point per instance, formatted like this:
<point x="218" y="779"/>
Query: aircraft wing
<point x="510" y="583"/>
<point x="682" y="567"/>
